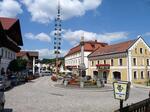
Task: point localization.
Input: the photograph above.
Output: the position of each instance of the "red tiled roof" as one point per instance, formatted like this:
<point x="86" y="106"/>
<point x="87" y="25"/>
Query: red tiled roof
<point x="7" y="22"/>
<point x="20" y="54"/>
<point x="88" y="46"/>
<point x="29" y="53"/>
<point x="115" y="48"/>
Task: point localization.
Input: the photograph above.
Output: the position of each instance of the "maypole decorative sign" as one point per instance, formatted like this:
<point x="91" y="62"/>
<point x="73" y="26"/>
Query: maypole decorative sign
<point x="121" y="91"/>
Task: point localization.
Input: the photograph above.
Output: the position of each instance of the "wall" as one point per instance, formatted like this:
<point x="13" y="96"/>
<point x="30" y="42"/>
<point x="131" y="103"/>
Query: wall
<point x="8" y="55"/>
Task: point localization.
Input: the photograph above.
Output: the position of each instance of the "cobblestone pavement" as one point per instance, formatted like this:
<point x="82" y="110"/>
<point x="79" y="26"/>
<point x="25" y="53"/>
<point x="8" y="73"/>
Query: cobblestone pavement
<point x="41" y="95"/>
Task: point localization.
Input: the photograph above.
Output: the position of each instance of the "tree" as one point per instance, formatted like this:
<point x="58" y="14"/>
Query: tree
<point x="17" y="65"/>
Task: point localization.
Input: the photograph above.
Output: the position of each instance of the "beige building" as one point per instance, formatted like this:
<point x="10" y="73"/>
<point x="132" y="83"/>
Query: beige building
<point x="127" y="61"/>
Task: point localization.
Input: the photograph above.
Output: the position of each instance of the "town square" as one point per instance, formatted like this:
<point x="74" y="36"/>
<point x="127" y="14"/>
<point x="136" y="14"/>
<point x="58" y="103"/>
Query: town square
<point x="74" y="56"/>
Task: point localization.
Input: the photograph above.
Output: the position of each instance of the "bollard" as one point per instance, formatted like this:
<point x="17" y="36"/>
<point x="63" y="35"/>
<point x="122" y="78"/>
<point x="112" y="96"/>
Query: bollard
<point x="98" y="83"/>
<point x="82" y="84"/>
<point x="65" y="82"/>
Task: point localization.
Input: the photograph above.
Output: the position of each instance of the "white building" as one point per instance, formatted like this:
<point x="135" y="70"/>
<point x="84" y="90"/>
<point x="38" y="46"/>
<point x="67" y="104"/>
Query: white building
<point x="73" y="57"/>
<point x="10" y="40"/>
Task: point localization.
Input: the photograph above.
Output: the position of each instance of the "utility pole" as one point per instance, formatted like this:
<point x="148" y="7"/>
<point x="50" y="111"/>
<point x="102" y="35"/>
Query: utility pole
<point x="57" y="36"/>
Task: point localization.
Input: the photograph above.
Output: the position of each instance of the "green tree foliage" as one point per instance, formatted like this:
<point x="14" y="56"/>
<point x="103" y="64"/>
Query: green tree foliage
<point x="17" y="65"/>
<point x="46" y="61"/>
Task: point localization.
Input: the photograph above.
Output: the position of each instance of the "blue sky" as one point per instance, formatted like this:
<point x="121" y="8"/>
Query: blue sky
<point x="108" y="21"/>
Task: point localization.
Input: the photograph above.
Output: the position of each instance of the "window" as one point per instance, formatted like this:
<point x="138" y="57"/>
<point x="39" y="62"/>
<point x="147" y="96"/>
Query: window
<point x="147" y="62"/>
<point x="98" y="62"/>
<point x="141" y="50"/>
<point x="135" y="75"/>
<point x="5" y="54"/>
<point x="112" y="62"/>
<point x="92" y="63"/>
<point x="142" y="75"/>
<point x="148" y="74"/>
<point x="136" y="50"/>
<point x="145" y="51"/>
<point x="120" y="62"/>
<point x="104" y="61"/>
<point x="134" y="61"/>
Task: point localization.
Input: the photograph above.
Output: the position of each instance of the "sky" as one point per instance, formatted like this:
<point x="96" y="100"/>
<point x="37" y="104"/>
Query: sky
<point x="109" y="21"/>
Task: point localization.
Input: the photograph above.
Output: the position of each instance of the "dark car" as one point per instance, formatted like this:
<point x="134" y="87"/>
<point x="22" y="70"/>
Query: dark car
<point x="5" y="83"/>
<point x="2" y="101"/>
<point x="14" y="80"/>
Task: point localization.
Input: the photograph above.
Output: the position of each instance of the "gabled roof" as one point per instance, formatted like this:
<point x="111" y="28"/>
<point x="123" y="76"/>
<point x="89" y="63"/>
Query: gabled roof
<point x="21" y="54"/>
<point x="7" y="22"/>
<point x="111" y="49"/>
<point x="30" y="54"/>
<point x="88" y="46"/>
<point x="11" y="27"/>
<point x="33" y="53"/>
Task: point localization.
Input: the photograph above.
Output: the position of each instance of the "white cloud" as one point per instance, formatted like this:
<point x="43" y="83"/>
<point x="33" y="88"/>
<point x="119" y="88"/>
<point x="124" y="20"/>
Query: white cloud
<point x="41" y="37"/>
<point x="10" y="8"/>
<point x="74" y="36"/>
<point x="147" y="34"/>
<point x="111" y="37"/>
<point x="44" y="11"/>
<point x="47" y="53"/>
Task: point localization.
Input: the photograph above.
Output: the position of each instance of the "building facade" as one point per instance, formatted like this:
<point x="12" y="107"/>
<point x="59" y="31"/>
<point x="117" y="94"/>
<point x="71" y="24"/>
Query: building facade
<point x="30" y="56"/>
<point x="10" y="40"/>
<point x="73" y="57"/>
<point x="127" y="61"/>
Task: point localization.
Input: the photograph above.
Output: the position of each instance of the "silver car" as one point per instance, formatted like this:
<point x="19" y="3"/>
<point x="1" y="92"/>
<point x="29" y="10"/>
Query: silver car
<point x="2" y="101"/>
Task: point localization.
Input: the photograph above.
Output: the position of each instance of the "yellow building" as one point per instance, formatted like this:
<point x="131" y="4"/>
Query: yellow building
<point x="126" y="61"/>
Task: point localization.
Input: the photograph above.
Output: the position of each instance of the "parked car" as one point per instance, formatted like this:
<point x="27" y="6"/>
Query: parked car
<point x="7" y="83"/>
<point x="4" y="83"/>
<point x="46" y="73"/>
<point x="14" y="80"/>
<point x="2" y="101"/>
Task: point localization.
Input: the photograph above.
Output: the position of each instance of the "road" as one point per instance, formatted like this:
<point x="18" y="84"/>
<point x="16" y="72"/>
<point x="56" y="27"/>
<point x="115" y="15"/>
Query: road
<point x="41" y="95"/>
